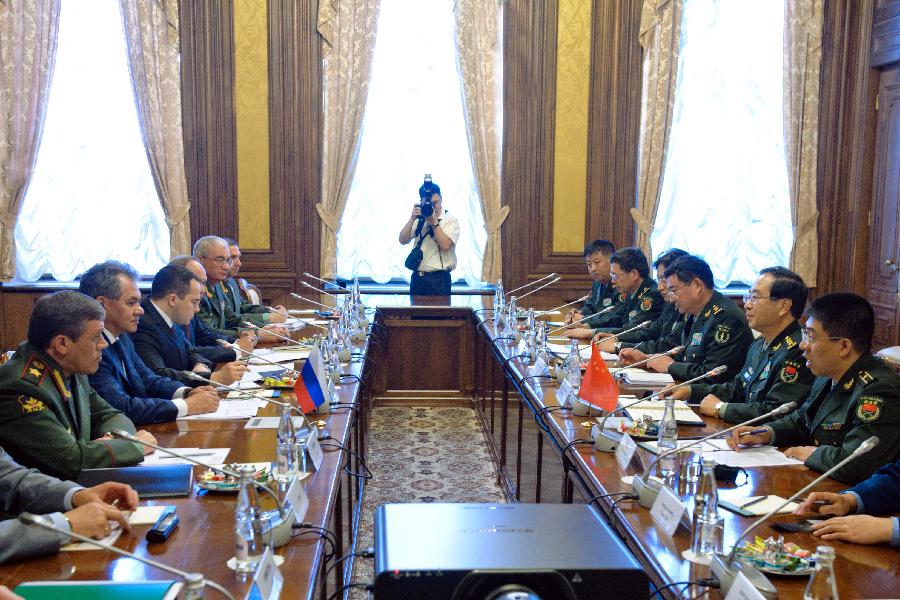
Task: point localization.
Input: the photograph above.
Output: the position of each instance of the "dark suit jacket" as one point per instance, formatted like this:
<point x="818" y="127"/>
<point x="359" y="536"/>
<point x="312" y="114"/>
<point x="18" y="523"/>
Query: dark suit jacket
<point x="126" y="383"/>
<point x="165" y="350"/>
<point x="880" y="493"/>
<point x="205" y="342"/>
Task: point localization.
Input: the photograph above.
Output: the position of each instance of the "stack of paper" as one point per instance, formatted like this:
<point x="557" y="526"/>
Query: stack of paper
<point x="718" y="449"/>
<point x="641" y="377"/>
<point x="654" y="409"/>
<point x="210" y="456"/>
<point x="229" y="409"/>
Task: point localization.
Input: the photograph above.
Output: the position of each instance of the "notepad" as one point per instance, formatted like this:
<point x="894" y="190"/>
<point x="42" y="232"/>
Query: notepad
<point x="641" y="377"/>
<point x="146" y="515"/>
<point x="684" y="415"/>
<point x="755" y="506"/>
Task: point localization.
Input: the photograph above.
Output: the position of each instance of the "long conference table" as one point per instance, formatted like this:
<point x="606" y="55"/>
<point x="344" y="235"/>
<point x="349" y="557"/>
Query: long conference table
<point x="532" y="445"/>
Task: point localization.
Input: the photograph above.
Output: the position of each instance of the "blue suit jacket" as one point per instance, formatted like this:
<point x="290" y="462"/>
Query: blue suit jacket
<point x="165" y="350"/>
<point x="880" y="493"/>
<point x="126" y="383"/>
<point x="204" y="339"/>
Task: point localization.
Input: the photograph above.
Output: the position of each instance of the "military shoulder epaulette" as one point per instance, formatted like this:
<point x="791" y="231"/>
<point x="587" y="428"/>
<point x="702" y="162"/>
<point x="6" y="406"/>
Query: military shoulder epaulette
<point x="789" y="341"/>
<point x="34" y="370"/>
<point x="716" y="309"/>
<point x="865" y="377"/>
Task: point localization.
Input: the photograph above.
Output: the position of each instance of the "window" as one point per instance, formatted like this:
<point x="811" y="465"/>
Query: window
<point x="91" y="196"/>
<point x="724" y="194"/>
<point x="413" y="125"/>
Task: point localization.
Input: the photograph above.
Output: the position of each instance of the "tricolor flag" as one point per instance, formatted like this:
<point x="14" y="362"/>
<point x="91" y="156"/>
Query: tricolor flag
<point x="598" y="387"/>
<point x="311" y="388"/>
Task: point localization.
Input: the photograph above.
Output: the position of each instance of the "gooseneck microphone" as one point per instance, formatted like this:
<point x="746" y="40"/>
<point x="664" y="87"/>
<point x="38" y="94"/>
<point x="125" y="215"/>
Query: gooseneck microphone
<point x="604" y="442"/>
<point x="530" y="283"/>
<point x="544" y="312"/>
<point x="312" y="287"/>
<point x="726" y="569"/>
<point x="649" y="492"/>
<point x="237" y="348"/>
<point x="581" y="320"/>
<point x="537" y="289"/>
<point x="325" y="281"/>
<point x="671" y="352"/>
<point x="194" y="581"/>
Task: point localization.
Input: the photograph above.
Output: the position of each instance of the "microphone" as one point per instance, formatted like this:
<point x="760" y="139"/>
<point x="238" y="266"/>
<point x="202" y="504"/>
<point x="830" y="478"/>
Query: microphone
<point x="237" y="348"/>
<point x="604" y="442"/>
<point x="334" y="283"/>
<point x="537" y="289"/>
<point x="194" y="581"/>
<point x="312" y="287"/>
<point x="280" y="527"/>
<point x="648" y="491"/>
<point x="544" y="312"/>
<point x="522" y="287"/>
<point x="278" y="335"/>
<point x="726" y="569"/>
<point x="643" y="325"/>
<point x="596" y="314"/>
<point x="671" y="352"/>
<point x="299" y="297"/>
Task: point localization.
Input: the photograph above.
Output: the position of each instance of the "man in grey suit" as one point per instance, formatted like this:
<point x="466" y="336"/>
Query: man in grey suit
<point x="69" y="506"/>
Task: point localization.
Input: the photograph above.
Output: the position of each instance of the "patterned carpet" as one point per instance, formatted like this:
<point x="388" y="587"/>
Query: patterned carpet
<point x="423" y="455"/>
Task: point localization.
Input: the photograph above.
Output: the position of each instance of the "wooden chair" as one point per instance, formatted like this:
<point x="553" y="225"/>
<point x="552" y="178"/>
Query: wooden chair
<point x="250" y="291"/>
<point x="891" y="356"/>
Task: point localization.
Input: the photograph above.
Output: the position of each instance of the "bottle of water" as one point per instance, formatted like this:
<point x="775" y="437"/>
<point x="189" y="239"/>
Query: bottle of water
<point x="822" y="583"/>
<point x="248" y="547"/>
<point x="512" y="318"/>
<point x="499" y="300"/>
<point x="667" y="439"/>
<point x="572" y="371"/>
<point x="708" y="526"/>
<point x="285" y="463"/>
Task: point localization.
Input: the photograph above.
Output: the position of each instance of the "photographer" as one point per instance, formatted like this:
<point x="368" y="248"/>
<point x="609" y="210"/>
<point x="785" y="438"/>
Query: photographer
<point x="435" y="232"/>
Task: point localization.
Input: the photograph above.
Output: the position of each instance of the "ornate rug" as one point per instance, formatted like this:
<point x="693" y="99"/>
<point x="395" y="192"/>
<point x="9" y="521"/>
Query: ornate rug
<point x="422" y="455"/>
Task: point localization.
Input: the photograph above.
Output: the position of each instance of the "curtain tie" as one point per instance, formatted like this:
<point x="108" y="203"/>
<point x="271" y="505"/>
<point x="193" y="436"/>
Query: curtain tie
<point x="493" y="226"/>
<point x="327" y="217"/>
<point x="179" y="214"/>
<point x="642" y="222"/>
<point x="806" y="227"/>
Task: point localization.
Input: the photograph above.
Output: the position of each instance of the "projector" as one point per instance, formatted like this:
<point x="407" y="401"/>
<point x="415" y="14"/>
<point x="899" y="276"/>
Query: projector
<point x="501" y="552"/>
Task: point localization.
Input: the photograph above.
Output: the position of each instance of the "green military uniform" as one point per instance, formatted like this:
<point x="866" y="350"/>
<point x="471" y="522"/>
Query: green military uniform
<point x="773" y="375"/>
<point x="52" y="423"/>
<point x="256" y="314"/>
<point x="603" y="295"/>
<point x="839" y="417"/>
<point x="216" y="312"/>
<point x="645" y="304"/>
<point x="664" y="333"/>
<point x="718" y="335"/>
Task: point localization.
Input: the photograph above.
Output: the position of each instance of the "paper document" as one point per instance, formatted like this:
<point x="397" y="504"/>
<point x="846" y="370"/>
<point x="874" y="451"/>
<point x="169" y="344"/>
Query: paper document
<point x="760" y="456"/>
<point x="641" y="377"/>
<point x="246" y="395"/>
<point x="229" y="409"/>
<point x="146" y="515"/>
<point x="282" y="357"/>
<point x="272" y="423"/>
<point x="760" y="505"/>
<point x="209" y="456"/>
<point x="654" y="409"/>
<point x="114" y="533"/>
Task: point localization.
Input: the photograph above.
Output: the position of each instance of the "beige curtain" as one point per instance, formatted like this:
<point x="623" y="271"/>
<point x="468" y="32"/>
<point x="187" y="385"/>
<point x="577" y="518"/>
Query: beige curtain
<point x="347" y="31"/>
<point x="802" y="59"/>
<point x="28" y="35"/>
<point x="151" y="34"/>
<point x="478" y="57"/>
<point x="659" y="36"/>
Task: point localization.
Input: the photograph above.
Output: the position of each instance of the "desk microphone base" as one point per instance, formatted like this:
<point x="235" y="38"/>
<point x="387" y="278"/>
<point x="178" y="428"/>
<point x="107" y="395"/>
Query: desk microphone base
<point x="604" y="441"/>
<point x="726" y="575"/>
<point x="647" y="491"/>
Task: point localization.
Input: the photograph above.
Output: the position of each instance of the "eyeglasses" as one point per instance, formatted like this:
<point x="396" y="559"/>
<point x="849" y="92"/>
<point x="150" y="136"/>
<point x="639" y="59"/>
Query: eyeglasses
<point x="221" y="261"/>
<point x="754" y="298"/>
<point x="807" y="338"/>
<point x="673" y="291"/>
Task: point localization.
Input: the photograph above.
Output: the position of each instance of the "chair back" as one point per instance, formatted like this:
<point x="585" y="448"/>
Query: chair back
<point x="891" y="356"/>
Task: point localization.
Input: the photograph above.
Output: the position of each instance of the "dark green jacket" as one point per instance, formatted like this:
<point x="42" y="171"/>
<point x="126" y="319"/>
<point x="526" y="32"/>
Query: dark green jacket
<point x="216" y="312"/>
<point x="48" y="422"/>
<point x="719" y="335"/>
<point x="603" y="295"/>
<point x="664" y="333"/>
<point x="838" y="418"/>
<point x="772" y="375"/>
<point x="256" y="314"/>
<point x="645" y="304"/>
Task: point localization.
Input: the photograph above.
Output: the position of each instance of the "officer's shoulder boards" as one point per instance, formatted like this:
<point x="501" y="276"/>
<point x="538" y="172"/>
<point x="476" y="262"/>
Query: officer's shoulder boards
<point x="865" y="377"/>
<point x="34" y="370"/>
<point x="791" y="342"/>
<point x="868" y="408"/>
<point x="30" y="405"/>
<point x="716" y="309"/>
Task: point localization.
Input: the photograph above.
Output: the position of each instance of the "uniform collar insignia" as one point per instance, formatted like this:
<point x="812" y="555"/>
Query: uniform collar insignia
<point x="849" y="383"/>
<point x="60" y="384"/>
<point x="865" y="377"/>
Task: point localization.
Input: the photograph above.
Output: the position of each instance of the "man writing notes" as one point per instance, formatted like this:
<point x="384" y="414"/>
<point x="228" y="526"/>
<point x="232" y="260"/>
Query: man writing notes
<point x="436" y="234"/>
<point x="67" y="505"/>
<point x="853" y="397"/>
<point x="603" y="293"/>
<point x="215" y="309"/>
<point x="665" y="333"/>
<point x="775" y="371"/>
<point x="50" y="417"/>
<point x="716" y="331"/>
<point x="123" y="379"/>
<point x="640" y="301"/>
<point x="160" y="339"/>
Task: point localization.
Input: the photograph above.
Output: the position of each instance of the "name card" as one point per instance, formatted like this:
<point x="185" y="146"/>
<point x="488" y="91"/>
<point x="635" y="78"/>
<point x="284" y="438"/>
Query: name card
<point x="538" y="369"/>
<point x="625" y="451"/>
<point x="565" y="390"/>
<point x="314" y="448"/>
<point x="522" y="347"/>
<point x="297" y="499"/>
<point x="742" y="589"/>
<point x="667" y="510"/>
<point x="267" y="580"/>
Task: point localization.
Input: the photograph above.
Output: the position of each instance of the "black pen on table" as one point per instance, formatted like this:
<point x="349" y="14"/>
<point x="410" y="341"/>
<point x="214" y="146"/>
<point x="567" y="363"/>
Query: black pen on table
<point x="753" y="432"/>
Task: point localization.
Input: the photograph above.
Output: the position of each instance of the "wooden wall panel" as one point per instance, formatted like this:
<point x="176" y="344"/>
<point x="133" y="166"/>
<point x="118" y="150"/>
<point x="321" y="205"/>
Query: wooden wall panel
<point x="886" y="33"/>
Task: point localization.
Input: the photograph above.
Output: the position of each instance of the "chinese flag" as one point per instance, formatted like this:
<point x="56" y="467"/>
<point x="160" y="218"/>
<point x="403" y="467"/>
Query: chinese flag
<point x="598" y="386"/>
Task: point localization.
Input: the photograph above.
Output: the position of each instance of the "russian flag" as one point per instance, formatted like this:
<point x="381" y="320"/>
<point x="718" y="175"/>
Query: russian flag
<point x="307" y="389"/>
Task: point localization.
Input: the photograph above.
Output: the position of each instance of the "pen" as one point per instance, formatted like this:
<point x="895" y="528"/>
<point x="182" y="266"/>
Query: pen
<point x="194" y="454"/>
<point x="754" y="501"/>
<point x="753" y="432"/>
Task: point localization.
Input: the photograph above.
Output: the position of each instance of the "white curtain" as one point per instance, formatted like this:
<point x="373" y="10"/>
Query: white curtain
<point x="91" y="196"/>
<point x="413" y="125"/>
<point x="724" y="193"/>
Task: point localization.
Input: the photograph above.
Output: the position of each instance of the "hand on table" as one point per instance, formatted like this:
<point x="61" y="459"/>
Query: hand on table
<point x="757" y="439"/>
<point x="107" y="493"/>
<point x="859" y="529"/>
<point x="92" y="519"/>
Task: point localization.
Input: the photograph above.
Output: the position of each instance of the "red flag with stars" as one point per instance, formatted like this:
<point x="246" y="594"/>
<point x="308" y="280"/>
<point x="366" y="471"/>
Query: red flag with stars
<point x="598" y="386"/>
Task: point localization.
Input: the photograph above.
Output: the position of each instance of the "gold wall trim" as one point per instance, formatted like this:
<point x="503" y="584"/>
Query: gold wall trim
<point x="251" y="113"/>
<point x="570" y="156"/>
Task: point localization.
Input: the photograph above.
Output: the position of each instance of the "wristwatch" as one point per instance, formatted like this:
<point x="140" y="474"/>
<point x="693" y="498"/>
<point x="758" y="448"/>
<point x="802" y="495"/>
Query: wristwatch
<point x="719" y="406"/>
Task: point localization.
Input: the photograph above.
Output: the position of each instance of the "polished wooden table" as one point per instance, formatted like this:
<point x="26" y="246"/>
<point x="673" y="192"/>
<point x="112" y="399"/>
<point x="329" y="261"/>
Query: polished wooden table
<point x="532" y="444"/>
